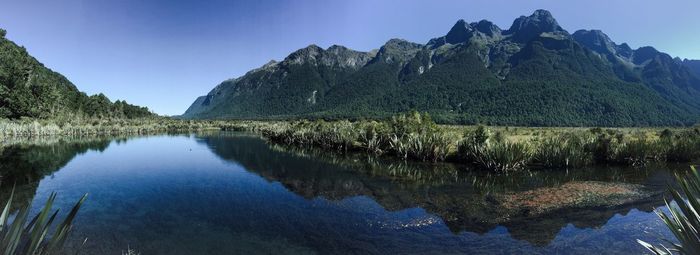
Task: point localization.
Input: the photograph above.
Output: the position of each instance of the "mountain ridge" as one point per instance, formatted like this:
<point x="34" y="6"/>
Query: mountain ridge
<point x="530" y="74"/>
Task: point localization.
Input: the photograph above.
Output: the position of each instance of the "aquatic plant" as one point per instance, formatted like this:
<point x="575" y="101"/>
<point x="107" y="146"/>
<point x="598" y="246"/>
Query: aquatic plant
<point x="130" y="251"/>
<point x="683" y="147"/>
<point x="415" y="136"/>
<point x="501" y="156"/>
<point x="425" y="146"/>
<point x="370" y="136"/>
<point x="637" y="152"/>
<point x="32" y="237"/>
<point x="480" y="149"/>
<point x="95" y="127"/>
<point x="563" y="151"/>
<point x="683" y="219"/>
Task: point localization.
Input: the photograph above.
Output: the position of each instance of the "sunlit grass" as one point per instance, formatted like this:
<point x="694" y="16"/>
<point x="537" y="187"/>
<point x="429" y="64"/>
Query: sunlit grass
<point x="414" y="136"/>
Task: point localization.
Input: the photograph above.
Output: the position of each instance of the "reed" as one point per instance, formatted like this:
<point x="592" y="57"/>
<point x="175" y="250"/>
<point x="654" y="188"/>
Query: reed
<point x="93" y="127"/>
<point x="485" y="151"/>
<point x="415" y="136"/>
<point x="637" y="152"/>
<point x="564" y="151"/>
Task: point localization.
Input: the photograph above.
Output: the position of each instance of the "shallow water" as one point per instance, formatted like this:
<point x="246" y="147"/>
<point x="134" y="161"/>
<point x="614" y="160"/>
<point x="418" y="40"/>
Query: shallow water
<point x="226" y="193"/>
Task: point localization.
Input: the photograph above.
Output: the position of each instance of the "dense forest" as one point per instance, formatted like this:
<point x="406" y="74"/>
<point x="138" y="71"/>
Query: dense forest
<point x="533" y="74"/>
<point x="29" y="89"/>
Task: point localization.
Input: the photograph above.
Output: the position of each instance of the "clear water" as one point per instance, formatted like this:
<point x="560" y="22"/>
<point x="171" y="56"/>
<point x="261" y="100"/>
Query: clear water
<point x="231" y="193"/>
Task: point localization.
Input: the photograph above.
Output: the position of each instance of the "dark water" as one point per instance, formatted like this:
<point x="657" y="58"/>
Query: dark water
<point x="231" y="193"/>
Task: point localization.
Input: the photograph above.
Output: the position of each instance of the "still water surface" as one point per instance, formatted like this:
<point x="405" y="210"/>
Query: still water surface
<point x="228" y="193"/>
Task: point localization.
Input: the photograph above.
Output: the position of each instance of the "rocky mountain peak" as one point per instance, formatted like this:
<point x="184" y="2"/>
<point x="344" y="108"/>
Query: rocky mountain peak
<point x="337" y="48"/>
<point x="269" y="65"/>
<point x="541" y="21"/>
<point x="487" y="27"/>
<point x="595" y="40"/>
<point x="343" y="57"/>
<point x="304" y="55"/>
<point x="400" y="44"/>
<point x="459" y="33"/>
<point x="397" y="50"/>
<point x="644" y="54"/>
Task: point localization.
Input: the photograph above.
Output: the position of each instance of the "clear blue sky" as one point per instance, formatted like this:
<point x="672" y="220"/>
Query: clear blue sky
<point x="163" y="54"/>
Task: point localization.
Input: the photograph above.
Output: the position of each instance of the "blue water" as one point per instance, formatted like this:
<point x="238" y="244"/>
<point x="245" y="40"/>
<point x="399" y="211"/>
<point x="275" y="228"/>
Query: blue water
<point x="230" y="193"/>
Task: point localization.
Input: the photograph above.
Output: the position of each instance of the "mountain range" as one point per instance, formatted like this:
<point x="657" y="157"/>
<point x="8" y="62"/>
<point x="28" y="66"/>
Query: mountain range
<point x="534" y="73"/>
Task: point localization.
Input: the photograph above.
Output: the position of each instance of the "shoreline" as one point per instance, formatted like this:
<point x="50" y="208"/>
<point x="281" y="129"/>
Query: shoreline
<point x="417" y="138"/>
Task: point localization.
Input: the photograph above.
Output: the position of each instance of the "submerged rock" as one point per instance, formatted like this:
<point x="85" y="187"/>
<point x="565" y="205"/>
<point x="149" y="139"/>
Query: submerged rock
<point x="576" y="194"/>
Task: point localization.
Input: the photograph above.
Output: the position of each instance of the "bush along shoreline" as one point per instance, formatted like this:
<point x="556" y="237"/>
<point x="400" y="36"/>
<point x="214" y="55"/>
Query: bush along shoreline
<point x="415" y="136"/>
<point x="32" y="128"/>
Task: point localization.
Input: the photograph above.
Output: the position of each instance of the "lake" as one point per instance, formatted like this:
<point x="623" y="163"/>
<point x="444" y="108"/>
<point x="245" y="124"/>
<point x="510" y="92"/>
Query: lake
<point x="228" y="193"/>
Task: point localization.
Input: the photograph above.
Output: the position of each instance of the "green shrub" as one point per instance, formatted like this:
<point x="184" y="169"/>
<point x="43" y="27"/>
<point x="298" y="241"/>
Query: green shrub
<point x="563" y="151"/>
<point x="479" y="149"/>
<point x="501" y="156"/>
<point x="372" y="136"/>
<point x="634" y="153"/>
<point x="681" y="148"/>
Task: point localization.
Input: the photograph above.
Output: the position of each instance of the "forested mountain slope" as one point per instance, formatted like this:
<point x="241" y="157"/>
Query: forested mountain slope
<point x="29" y="89"/>
<point x="533" y="73"/>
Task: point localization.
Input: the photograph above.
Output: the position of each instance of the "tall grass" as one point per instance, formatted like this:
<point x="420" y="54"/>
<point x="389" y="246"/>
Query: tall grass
<point x="410" y="136"/>
<point x="683" y="219"/>
<point x="564" y="151"/>
<point x="637" y="152"/>
<point x="44" y="128"/>
<point x="415" y="136"/>
<point x="31" y="236"/>
<point x="493" y="153"/>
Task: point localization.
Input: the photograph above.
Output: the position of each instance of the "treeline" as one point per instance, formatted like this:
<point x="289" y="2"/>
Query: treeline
<point x="30" y="90"/>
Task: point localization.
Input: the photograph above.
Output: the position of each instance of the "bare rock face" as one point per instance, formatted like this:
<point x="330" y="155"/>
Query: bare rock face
<point x="397" y="51"/>
<point x="526" y="28"/>
<point x="342" y="57"/>
<point x="460" y="32"/>
<point x="335" y="56"/>
<point x="305" y="55"/>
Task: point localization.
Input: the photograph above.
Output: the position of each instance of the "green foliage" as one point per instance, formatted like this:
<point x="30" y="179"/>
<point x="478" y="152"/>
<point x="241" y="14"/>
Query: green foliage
<point x="564" y="151"/>
<point x="414" y="136"/>
<point x="683" y="219"/>
<point x="31" y="236"/>
<point x="478" y="137"/>
<point x="548" y="82"/>
<point x="493" y="152"/>
<point x="500" y="156"/>
<point x="408" y="136"/>
<point x="28" y="89"/>
<point x="636" y="152"/>
<point x="103" y="126"/>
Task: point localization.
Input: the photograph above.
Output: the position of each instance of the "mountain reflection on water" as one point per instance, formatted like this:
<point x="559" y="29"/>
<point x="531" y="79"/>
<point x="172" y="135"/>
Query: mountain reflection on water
<point x="458" y="196"/>
<point x="222" y="193"/>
